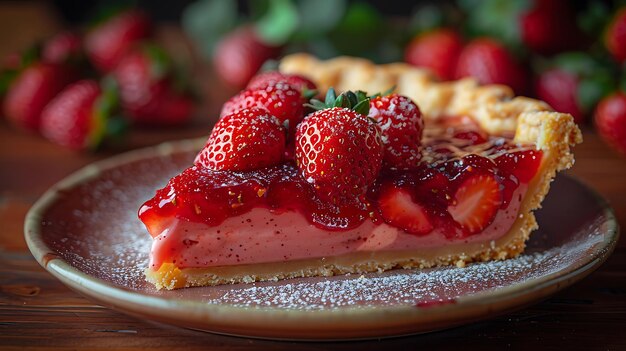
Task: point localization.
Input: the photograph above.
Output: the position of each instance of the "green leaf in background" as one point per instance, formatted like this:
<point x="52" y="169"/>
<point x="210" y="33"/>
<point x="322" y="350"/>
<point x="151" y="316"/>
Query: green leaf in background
<point x="495" y="18"/>
<point x="595" y="17"/>
<point x="579" y="63"/>
<point x="427" y="17"/>
<point x="592" y="89"/>
<point x="206" y="21"/>
<point x="279" y="23"/>
<point x="359" y="32"/>
<point x="320" y="16"/>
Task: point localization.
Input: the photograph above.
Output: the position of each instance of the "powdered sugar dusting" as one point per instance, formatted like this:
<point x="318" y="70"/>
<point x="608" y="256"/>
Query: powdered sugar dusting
<point x="95" y="228"/>
<point x="404" y="287"/>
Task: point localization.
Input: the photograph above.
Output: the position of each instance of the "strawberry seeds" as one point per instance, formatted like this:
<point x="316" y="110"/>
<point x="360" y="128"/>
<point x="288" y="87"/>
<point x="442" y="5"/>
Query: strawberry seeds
<point x="347" y="167"/>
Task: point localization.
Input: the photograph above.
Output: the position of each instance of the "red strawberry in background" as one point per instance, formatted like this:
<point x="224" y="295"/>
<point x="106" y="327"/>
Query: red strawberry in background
<point x="279" y="98"/>
<point x="148" y="88"/>
<point x="610" y="118"/>
<point x="243" y="141"/>
<point x="239" y="55"/>
<point x="491" y="63"/>
<point x="262" y="80"/>
<point x="550" y="27"/>
<point x="338" y="149"/>
<point x="401" y="124"/>
<point x="62" y="48"/>
<point x="615" y="36"/>
<point x="438" y="50"/>
<point x="107" y="43"/>
<point x="31" y="90"/>
<point x="559" y="88"/>
<point x="80" y="117"/>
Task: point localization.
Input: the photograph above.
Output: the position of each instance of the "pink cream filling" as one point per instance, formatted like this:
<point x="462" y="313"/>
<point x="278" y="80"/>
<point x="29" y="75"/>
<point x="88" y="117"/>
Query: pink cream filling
<point x="261" y="236"/>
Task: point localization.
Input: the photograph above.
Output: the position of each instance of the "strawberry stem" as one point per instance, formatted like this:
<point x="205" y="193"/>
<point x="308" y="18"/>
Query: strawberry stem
<point x="357" y="101"/>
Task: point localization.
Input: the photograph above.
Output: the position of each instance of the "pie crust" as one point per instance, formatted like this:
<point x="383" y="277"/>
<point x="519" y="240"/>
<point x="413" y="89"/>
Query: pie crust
<point x="493" y="107"/>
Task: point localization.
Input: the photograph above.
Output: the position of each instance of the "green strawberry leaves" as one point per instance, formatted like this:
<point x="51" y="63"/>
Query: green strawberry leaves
<point x="357" y="101"/>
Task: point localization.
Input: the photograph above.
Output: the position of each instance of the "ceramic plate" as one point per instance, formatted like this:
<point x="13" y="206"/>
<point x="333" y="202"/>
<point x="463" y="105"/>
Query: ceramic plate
<point x="85" y="232"/>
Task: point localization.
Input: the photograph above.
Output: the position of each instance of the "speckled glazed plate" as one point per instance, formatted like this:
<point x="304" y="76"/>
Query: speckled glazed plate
<point x="85" y="232"/>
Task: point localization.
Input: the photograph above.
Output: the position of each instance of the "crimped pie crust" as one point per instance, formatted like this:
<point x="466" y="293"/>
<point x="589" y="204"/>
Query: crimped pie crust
<point x="494" y="108"/>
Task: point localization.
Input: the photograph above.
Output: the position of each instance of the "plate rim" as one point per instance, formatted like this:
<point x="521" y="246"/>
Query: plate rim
<point x="123" y="299"/>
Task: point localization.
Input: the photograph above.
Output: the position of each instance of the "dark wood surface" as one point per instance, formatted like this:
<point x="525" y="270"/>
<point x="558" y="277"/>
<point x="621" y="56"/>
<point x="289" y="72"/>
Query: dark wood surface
<point x="38" y="312"/>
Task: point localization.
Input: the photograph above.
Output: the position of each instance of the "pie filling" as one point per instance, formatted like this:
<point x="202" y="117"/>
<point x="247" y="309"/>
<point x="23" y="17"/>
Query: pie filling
<point x="208" y="218"/>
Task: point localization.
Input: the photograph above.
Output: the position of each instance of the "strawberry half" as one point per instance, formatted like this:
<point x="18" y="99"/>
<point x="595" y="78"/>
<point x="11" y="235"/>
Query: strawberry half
<point x="80" y="117"/>
<point x="401" y="124"/>
<point x="243" y="141"/>
<point x="338" y="149"/>
<point x="398" y="208"/>
<point x="107" y="43"/>
<point x="476" y="202"/>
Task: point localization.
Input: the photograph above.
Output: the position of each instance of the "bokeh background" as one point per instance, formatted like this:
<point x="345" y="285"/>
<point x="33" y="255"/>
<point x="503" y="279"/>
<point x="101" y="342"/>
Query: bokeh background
<point x="567" y="53"/>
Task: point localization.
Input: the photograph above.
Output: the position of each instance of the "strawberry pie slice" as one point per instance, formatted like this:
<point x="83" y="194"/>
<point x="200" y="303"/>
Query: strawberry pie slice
<point x="435" y="173"/>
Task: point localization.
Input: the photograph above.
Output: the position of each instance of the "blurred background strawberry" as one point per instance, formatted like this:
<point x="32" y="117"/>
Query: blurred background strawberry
<point x="174" y="64"/>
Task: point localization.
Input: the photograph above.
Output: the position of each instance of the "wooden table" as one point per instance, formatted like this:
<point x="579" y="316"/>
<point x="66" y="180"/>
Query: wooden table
<point x="36" y="311"/>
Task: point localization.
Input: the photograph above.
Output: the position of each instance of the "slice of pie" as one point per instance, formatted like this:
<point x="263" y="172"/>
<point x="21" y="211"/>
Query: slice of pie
<point x="436" y="173"/>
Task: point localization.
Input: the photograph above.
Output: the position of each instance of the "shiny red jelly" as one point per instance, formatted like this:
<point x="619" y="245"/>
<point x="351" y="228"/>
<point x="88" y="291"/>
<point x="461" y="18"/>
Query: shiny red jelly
<point x="449" y="156"/>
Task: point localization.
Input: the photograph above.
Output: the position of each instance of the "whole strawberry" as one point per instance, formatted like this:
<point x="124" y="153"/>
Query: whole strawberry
<point x="610" y="118"/>
<point x="80" y="117"/>
<point x="147" y="88"/>
<point x="490" y="63"/>
<point x="559" y="88"/>
<point x="438" y="50"/>
<point x="262" y="80"/>
<point x="243" y="141"/>
<point x="31" y="90"/>
<point x="279" y="98"/>
<point x="549" y="27"/>
<point x="615" y="36"/>
<point x="401" y="125"/>
<point x="62" y="48"/>
<point x="239" y="56"/>
<point x="107" y="43"/>
<point x="338" y="149"/>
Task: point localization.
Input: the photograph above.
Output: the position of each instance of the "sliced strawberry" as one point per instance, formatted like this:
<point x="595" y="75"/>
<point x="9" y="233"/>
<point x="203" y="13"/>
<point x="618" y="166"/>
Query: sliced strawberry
<point x="398" y="209"/>
<point x="476" y="202"/>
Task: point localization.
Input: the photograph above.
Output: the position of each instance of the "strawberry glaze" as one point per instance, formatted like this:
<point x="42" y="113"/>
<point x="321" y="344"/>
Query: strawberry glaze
<point x="195" y="219"/>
